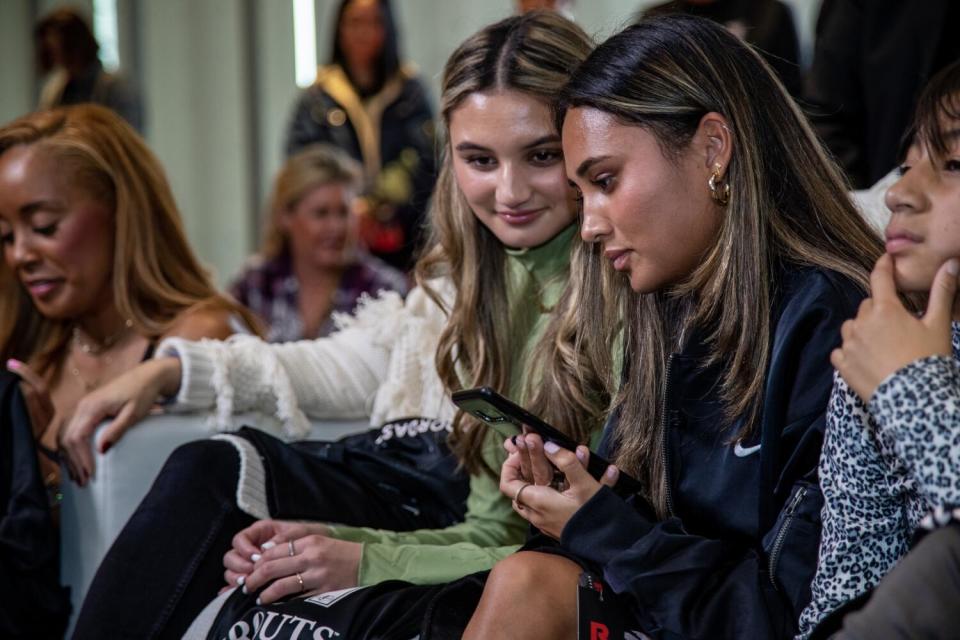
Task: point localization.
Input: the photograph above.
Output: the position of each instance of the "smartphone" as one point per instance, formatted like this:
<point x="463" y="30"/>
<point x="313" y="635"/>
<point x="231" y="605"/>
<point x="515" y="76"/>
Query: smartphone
<point x="507" y="419"/>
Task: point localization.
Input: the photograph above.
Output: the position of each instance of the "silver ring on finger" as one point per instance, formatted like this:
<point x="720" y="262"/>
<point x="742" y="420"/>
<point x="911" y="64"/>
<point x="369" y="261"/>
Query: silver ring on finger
<point x="516" y="497"/>
<point x="300" y="580"/>
<point x="293" y="551"/>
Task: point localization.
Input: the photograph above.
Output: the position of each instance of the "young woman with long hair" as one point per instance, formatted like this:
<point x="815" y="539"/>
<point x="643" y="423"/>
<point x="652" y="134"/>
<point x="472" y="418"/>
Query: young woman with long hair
<point x="502" y="231"/>
<point x="96" y="270"/>
<point x="731" y="254"/>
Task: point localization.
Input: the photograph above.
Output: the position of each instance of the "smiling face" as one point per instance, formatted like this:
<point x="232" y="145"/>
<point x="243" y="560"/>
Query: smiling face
<point x="57" y="237"/>
<point x="653" y="214"/>
<point x="924" y="230"/>
<point x="508" y="164"/>
<point x="321" y="228"/>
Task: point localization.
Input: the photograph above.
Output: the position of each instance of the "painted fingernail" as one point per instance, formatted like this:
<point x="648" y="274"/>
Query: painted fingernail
<point x="611" y="472"/>
<point x="254" y="557"/>
<point x="953" y="266"/>
<point x="521" y="442"/>
<point x="244" y="590"/>
<point x="270" y="544"/>
<point x="581" y="454"/>
<point x="241" y="580"/>
<point x="258" y="602"/>
<point x="14" y="364"/>
<point x="514" y="440"/>
<point x="550" y="447"/>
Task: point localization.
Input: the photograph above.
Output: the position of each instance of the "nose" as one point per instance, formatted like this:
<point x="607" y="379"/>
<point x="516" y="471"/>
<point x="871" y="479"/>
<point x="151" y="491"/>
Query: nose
<point x="513" y="187"/>
<point x="21" y="253"/>
<point x="594" y="225"/>
<point x="909" y="193"/>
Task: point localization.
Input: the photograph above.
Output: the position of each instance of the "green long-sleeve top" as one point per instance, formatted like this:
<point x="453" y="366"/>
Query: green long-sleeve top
<point x="490" y="530"/>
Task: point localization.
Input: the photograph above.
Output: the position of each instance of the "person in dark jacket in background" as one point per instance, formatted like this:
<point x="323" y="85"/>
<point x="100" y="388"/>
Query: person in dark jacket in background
<point x="736" y="255"/>
<point x="376" y="109"/>
<point x="870" y="61"/>
<point x="766" y="24"/>
<point x="66" y="51"/>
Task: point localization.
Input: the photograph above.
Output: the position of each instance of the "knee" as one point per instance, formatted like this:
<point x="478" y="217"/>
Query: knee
<point x="202" y="463"/>
<point x="528" y="572"/>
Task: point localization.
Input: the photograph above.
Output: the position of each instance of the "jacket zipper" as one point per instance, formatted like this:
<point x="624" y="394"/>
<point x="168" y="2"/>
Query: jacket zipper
<point x="664" y="423"/>
<point x="782" y="534"/>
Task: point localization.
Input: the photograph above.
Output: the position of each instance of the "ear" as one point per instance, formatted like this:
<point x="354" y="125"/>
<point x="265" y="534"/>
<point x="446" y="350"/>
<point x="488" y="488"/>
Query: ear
<point x="715" y="139"/>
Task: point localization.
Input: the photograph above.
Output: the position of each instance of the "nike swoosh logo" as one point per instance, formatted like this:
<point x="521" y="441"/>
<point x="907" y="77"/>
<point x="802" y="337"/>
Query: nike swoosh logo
<point x="742" y="452"/>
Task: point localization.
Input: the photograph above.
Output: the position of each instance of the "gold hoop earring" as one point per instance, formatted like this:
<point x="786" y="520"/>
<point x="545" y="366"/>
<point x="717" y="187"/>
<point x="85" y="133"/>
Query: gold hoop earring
<point x="719" y="188"/>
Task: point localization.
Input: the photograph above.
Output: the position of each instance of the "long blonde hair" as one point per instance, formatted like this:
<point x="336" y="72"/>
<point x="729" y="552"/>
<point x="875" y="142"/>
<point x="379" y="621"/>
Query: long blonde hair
<point x="533" y="54"/>
<point x="155" y="275"/>
<point x="789" y="205"/>
<point x="314" y="166"/>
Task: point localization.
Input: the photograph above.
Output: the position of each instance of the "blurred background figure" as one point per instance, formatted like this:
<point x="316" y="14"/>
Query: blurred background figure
<point x="311" y="265"/>
<point x="871" y="59"/>
<point x="766" y="24"/>
<point x="66" y="53"/>
<point x="564" y="7"/>
<point x="376" y="109"/>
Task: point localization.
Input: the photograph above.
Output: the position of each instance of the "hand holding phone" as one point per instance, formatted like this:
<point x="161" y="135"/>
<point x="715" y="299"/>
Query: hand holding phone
<point x="508" y="418"/>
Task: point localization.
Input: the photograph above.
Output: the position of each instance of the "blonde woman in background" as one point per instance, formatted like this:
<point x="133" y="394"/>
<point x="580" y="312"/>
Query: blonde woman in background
<point x="310" y="265"/>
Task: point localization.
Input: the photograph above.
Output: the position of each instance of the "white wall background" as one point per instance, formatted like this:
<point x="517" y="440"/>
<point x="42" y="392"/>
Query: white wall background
<point x="218" y="81"/>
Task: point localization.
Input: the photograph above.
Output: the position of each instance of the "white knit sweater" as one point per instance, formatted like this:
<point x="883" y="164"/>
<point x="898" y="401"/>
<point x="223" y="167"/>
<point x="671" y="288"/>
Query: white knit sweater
<point x="380" y="364"/>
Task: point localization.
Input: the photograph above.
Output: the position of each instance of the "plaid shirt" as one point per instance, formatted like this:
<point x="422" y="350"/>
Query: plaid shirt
<point x="271" y="290"/>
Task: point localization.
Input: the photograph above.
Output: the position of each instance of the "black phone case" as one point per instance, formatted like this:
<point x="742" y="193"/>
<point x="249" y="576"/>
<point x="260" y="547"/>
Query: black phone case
<point x="490" y="407"/>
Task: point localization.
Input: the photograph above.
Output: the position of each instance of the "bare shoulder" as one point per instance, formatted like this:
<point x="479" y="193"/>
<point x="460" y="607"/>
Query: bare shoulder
<point x="202" y="322"/>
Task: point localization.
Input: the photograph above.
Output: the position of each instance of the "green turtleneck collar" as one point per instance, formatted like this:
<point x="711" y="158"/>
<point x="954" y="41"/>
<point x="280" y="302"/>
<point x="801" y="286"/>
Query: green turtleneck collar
<point x="547" y="261"/>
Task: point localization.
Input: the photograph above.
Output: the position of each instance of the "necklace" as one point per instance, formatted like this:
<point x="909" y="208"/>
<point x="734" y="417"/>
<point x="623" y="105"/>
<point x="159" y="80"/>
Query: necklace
<point x="96" y="348"/>
<point x="88" y="385"/>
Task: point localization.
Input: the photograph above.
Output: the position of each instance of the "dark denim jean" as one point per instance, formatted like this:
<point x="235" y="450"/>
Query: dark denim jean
<point x="167" y="563"/>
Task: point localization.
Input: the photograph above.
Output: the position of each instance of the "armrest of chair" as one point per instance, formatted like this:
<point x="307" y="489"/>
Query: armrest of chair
<point x="92" y="517"/>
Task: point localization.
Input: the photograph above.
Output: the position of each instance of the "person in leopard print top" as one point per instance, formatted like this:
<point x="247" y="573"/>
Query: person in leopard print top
<point x="891" y="453"/>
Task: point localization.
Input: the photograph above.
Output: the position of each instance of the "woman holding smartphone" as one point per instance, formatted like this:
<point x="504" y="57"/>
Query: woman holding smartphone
<point x="733" y="254"/>
<point x="502" y="231"/>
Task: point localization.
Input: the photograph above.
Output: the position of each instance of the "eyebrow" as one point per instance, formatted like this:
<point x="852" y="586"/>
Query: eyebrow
<point x="33" y="207"/>
<point x="589" y="162"/>
<point x="471" y="146"/>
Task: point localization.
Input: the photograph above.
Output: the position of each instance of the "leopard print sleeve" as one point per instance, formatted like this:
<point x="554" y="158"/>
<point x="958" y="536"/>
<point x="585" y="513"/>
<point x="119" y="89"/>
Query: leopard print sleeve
<point x="862" y="517"/>
<point x="918" y="416"/>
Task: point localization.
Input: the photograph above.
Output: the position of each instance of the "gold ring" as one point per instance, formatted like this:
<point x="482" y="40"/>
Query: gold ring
<point x="300" y="580"/>
<point x="290" y="547"/>
<point x="516" y="497"/>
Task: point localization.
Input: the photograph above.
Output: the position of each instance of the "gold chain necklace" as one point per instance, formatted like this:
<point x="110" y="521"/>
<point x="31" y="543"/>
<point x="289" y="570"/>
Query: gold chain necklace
<point x="88" y="386"/>
<point x="95" y="350"/>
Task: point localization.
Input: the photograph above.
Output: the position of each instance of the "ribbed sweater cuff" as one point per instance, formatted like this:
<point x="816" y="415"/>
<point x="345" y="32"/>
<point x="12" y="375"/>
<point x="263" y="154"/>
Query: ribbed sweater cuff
<point x="197" y="368"/>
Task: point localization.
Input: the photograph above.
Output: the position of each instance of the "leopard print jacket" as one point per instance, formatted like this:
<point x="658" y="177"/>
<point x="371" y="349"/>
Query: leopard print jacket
<point x="884" y="467"/>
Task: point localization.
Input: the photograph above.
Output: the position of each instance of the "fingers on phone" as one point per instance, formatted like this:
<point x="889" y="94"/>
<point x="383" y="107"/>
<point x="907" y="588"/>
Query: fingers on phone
<point x="610" y="476"/>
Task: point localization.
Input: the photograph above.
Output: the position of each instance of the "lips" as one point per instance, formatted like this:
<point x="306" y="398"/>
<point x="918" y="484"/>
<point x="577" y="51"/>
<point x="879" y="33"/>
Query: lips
<point x="619" y="258"/>
<point x="899" y="240"/>
<point x="520" y="217"/>
<point x="42" y="287"/>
